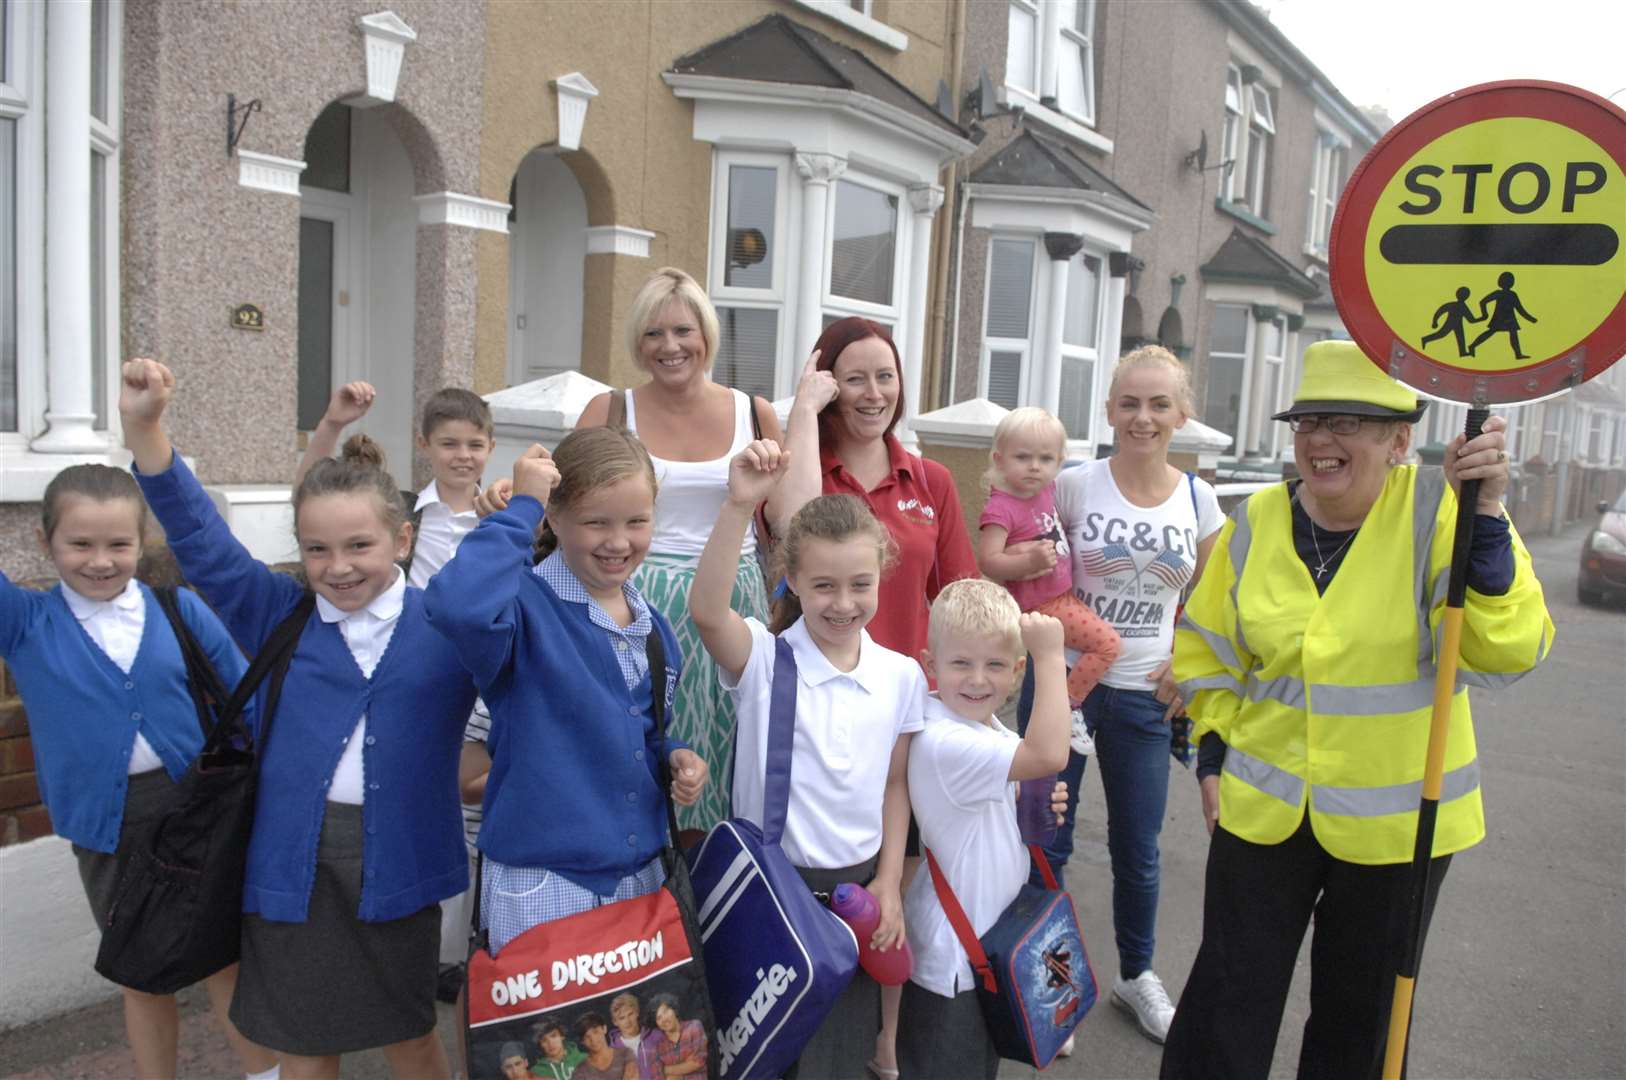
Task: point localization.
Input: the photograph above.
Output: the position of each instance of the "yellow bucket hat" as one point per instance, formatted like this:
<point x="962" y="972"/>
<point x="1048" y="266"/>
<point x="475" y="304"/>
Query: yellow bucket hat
<point x="1340" y="380"/>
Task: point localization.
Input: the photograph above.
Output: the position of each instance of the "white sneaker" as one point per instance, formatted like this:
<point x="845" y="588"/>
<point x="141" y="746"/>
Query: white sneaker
<point x="1145" y="997"/>
<point x="1081" y="741"/>
<point x="1066" y="1048"/>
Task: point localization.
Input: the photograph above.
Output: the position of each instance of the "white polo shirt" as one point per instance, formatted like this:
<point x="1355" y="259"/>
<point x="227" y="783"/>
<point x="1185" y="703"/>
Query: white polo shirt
<point x="440" y="531"/>
<point x="965" y="804"/>
<point x="846" y="725"/>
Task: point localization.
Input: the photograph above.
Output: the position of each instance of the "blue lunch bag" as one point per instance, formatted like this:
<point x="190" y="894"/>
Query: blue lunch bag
<point x="1034" y="978"/>
<point x="776" y="958"/>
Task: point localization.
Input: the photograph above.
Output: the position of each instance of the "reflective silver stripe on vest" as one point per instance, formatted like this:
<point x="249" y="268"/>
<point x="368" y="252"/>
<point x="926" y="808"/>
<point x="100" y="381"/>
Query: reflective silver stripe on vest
<point x="1241" y="539"/>
<point x="1496" y="680"/>
<point x="1285" y="689"/>
<point x="1375" y="700"/>
<point x="1393" y="799"/>
<point x="1261" y="774"/>
<point x="1222" y="681"/>
<point x="1217" y="643"/>
<point x="1428" y="488"/>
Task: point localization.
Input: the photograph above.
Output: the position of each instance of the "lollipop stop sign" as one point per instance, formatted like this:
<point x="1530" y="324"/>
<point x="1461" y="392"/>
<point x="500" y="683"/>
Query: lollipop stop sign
<point x="1479" y="249"/>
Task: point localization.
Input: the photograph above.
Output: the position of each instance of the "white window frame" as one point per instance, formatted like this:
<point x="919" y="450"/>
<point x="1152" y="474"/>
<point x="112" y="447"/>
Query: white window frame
<point x="776" y="297"/>
<point x="1327" y="175"/>
<point x="1089" y="353"/>
<point x="1035" y="60"/>
<point x="1023" y="346"/>
<point x="1069" y="38"/>
<point x="858" y="15"/>
<point x="22" y="99"/>
<point x="790" y="261"/>
<point x="1271" y="367"/>
<point x="1232" y="124"/>
<point x="20" y="95"/>
<point x="1250" y="337"/>
<point x="1052" y="33"/>
<point x="1261" y="126"/>
<point x="841" y="306"/>
<point x="1249" y="114"/>
<point x="1596" y="450"/>
<point x="105" y="140"/>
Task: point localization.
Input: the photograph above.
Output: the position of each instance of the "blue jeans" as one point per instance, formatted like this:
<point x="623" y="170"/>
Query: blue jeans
<point x="1132" y="746"/>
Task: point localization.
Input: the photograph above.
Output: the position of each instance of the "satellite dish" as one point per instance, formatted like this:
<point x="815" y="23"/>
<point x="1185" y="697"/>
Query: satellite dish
<point x="1198" y="158"/>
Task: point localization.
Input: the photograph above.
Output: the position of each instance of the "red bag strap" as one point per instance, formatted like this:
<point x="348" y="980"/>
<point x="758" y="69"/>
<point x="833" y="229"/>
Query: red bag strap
<point x="1047" y="875"/>
<point x="962" y="925"/>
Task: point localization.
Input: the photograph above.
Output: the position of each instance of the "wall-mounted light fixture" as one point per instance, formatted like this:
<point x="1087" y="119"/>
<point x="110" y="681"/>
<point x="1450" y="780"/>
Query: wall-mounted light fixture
<point x="234" y="129"/>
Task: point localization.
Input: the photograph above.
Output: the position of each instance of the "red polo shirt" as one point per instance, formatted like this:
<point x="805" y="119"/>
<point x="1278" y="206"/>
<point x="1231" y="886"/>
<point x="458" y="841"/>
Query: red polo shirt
<point x="919" y="506"/>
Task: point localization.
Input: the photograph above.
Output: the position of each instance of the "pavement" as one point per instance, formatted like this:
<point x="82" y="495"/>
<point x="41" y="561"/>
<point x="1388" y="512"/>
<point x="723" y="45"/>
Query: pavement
<point x="1525" y="972"/>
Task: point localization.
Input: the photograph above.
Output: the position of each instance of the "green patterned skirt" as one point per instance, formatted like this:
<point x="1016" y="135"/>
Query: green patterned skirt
<point x="702" y="711"/>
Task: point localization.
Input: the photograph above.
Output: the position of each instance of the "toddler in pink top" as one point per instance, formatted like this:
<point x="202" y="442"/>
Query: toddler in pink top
<point x="1022" y="544"/>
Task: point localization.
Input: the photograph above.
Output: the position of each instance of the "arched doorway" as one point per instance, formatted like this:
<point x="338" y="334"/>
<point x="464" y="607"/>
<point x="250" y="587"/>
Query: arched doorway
<point x="547" y="249"/>
<point x="358" y="229"/>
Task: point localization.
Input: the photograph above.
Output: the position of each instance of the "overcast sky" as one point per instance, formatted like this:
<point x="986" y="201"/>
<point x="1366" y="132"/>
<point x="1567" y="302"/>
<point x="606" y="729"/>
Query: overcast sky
<point x="1402" y="54"/>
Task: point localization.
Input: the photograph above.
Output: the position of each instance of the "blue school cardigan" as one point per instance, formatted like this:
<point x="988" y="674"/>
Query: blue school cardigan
<point x="84" y="712"/>
<point x="417" y="703"/>
<point x="573" y="783"/>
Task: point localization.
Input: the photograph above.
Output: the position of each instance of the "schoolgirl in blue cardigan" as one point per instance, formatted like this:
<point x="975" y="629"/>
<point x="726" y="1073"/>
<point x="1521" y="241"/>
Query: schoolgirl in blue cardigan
<point x="112" y="721"/>
<point x="574" y="816"/>
<point x="357" y="831"/>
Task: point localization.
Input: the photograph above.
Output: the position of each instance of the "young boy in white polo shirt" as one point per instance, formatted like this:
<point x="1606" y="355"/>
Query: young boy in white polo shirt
<point x="962" y="773"/>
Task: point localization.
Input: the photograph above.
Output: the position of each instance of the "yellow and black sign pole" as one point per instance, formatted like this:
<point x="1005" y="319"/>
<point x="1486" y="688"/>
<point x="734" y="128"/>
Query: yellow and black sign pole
<point x="1445" y="688"/>
<point x="1477" y="256"/>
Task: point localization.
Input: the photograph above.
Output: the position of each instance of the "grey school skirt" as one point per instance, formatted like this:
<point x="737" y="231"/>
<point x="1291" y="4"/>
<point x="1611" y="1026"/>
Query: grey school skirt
<point x="149" y="795"/>
<point x="846" y="1039"/>
<point x="334" y="984"/>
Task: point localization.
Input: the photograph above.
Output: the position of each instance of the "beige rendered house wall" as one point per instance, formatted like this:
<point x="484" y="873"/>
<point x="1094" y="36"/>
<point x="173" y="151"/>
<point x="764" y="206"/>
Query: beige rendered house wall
<point x="639" y="164"/>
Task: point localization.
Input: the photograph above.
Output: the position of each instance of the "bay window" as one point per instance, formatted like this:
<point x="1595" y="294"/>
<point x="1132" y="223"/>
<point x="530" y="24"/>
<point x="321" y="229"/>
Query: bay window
<point x="1229" y="342"/>
<point x="1007" y="336"/>
<point x="1077" y="405"/>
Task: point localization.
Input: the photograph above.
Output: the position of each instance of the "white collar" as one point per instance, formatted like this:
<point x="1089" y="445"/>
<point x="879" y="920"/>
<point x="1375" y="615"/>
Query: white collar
<point x="383" y="607"/>
<point x="935" y="709"/>
<point x="431" y="494"/>
<point x="83" y="607"/>
<point x="815" y="668"/>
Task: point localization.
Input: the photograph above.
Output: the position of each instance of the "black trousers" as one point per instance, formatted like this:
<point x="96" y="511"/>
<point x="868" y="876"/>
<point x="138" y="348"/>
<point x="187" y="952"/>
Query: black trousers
<point x="1257" y="903"/>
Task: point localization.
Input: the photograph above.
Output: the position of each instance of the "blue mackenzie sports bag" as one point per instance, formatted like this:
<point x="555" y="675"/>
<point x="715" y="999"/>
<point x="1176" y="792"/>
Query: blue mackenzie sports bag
<point x="1034" y="980"/>
<point x="776" y="958"/>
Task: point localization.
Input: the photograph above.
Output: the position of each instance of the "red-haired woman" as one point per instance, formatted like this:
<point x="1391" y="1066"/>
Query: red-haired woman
<point x="853" y="386"/>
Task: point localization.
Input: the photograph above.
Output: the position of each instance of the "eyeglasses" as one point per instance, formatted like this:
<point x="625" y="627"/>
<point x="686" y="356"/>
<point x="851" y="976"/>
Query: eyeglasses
<point x="1342" y="424"/>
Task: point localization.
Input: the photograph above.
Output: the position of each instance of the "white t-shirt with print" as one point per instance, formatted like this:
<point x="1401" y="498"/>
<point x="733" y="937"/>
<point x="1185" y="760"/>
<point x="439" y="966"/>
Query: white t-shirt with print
<point x="965" y="803"/>
<point x="1131" y="562"/>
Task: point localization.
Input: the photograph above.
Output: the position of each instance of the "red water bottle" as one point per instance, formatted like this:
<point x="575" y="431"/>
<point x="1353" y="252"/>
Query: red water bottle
<point x="859" y="909"/>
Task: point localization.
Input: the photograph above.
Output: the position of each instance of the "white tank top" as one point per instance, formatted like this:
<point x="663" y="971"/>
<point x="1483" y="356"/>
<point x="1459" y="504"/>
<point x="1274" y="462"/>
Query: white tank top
<point x="692" y="492"/>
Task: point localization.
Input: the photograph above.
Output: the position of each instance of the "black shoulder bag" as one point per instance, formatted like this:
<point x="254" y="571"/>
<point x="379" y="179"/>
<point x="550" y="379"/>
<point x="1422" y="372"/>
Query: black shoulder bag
<point x="177" y="915"/>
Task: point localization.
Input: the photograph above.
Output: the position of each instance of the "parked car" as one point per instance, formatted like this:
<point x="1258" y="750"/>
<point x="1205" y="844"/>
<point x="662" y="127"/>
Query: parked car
<point x="1603" y="556"/>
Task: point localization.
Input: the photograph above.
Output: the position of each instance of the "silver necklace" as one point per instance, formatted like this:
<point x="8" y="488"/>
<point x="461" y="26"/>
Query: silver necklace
<point x="1322" y="561"/>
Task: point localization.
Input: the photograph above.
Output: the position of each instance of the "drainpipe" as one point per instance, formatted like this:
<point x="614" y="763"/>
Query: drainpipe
<point x="940" y="341"/>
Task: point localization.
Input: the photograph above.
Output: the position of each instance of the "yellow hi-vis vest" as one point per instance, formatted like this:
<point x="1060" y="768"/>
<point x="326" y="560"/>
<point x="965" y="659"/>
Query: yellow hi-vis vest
<point x="1325" y="701"/>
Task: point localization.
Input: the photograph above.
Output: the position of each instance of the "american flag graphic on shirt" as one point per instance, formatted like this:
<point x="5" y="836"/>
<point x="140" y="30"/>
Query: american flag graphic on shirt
<point x="1170" y="568"/>
<point x="1107" y="560"/>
